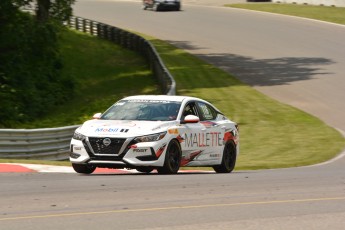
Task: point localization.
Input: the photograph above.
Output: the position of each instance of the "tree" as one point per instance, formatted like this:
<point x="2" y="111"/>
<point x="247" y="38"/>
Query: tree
<point x="30" y="65"/>
<point x="59" y="10"/>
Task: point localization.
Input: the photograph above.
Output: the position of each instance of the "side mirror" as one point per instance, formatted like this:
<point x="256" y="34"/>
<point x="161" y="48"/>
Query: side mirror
<point x="97" y="116"/>
<point x="190" y="119"/>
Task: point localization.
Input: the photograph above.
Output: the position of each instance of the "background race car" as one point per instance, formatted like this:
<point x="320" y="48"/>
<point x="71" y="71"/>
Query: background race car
<point x="157" y="5"/>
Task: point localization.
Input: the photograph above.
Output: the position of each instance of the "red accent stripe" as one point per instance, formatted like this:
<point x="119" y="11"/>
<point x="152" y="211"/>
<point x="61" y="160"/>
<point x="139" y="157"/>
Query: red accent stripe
<point x="7" y="168"/>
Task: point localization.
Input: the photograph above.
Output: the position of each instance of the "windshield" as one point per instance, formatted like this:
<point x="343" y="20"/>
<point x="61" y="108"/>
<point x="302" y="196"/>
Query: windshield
<point x="148" y="110"/>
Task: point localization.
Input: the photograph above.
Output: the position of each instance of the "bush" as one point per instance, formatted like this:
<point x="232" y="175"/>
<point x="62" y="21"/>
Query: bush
<point x="31" y="82"/>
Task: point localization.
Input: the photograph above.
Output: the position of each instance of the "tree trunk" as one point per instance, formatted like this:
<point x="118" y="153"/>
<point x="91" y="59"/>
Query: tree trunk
<point x="42" y="11"/>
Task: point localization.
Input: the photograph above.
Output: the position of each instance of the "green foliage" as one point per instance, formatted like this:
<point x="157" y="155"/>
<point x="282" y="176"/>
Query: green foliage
<point x="30" y="72"/>
<point x="103" y="73"/>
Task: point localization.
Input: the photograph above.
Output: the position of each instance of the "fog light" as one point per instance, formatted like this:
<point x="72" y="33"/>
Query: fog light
<point x="74" y="155"/>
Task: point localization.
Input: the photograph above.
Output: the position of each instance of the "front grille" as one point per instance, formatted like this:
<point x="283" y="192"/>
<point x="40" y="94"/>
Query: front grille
<point x="98" y="146"/>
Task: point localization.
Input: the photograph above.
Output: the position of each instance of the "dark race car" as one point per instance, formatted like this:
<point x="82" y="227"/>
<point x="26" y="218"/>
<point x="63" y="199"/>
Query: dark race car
<point x="158" y="5"/>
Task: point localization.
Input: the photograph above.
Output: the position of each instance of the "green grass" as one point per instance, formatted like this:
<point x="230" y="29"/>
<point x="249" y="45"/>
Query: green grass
<point x="103" y="72"/>
<point x="273" y="135"/>
<point x="323" y="13"/>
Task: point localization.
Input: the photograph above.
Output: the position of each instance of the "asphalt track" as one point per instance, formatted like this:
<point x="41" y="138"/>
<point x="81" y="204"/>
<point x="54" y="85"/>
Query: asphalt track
<point x="300" y="61"/>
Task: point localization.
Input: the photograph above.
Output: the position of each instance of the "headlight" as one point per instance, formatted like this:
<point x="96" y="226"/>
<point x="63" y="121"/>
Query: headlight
<point x="150" y="138"/>
<point x="78" y="136"/>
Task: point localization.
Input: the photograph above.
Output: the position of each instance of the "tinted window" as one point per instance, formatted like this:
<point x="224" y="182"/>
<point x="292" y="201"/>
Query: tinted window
<point x="207" y="112"/>
<point x="190" y="109"/>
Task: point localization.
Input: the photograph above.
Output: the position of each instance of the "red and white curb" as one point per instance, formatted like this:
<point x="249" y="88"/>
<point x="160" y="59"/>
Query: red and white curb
<point x="27" y="168"/>
<point x="37" y="168"/>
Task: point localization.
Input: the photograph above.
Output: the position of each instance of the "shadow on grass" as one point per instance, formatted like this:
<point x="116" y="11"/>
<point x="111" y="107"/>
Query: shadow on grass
<point x="269" y="72"/>
<point x="263" y="72"/>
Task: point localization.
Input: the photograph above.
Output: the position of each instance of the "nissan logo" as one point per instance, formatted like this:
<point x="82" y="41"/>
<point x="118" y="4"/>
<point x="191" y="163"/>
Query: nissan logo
<point x="106" y="141"/>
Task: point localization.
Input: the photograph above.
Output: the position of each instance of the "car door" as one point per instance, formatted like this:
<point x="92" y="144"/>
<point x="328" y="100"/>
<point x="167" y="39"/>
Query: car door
<point x="200" y="139"/>
<point x="213" y="133"/>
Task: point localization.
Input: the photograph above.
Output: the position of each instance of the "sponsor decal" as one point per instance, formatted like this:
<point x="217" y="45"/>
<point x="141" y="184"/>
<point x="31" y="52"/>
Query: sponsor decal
<point x="140" y="150"/>
<point x="211" y="139"/>
<point x="216" y="155"/>
<point x="173" y="131"/>
<point x="149" y="101"/>
<point x="110" y="130"/>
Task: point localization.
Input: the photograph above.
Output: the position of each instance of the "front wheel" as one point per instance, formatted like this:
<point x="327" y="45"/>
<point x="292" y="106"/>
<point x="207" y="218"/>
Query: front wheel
<point x="228" y="160"/>
<point x="83" y="168"/>
<point x="144" y="169"/>
<point x="172" y="159"/>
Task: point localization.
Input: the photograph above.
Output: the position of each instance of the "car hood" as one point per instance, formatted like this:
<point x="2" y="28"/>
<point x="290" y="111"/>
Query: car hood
<point x="123" y="128"/>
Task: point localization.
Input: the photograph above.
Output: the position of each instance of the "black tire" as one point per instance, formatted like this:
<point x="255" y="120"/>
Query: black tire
<point x="144" y="169"/>
<point x="155" y="7"/>
<point x="228" y="160"/>
<point x="172" y="159"/>
<point x="83" y="168"/>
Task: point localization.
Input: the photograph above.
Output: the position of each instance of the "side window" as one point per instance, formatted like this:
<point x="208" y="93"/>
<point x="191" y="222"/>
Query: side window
<point x="207" y="112"/>
<point x="190" y="109"/>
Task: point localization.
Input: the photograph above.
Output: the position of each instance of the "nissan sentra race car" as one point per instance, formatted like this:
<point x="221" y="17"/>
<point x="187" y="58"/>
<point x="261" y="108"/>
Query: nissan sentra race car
<point x="156" y="132"/>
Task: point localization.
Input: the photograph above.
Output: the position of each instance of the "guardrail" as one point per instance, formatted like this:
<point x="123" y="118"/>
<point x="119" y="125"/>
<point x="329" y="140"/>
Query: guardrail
<point x="53" y="143"/>
<point x="42" y="144"/>
<point x="130" y="41"/>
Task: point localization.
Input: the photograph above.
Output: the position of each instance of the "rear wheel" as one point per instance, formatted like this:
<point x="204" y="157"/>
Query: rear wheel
<point x="83" y="168"/>
<point x="172" y="159"/>
<point x="228" y="160"/>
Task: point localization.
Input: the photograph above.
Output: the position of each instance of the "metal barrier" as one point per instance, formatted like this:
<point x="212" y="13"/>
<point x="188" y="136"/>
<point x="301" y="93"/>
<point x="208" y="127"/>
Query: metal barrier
<point x="53" y="143"/>
<point x="42" y="144"/>
<point x="129" y="41"/>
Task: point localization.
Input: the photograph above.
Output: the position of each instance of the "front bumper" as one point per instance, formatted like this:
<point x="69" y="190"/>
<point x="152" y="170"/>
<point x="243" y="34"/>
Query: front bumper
<point x="122" y="153"/>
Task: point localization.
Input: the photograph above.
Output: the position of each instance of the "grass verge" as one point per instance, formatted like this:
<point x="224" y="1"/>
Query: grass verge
<point x="323" y="13"/>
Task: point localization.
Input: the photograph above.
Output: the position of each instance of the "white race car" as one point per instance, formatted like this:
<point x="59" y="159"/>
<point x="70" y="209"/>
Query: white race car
<point x="156" y="132"/>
